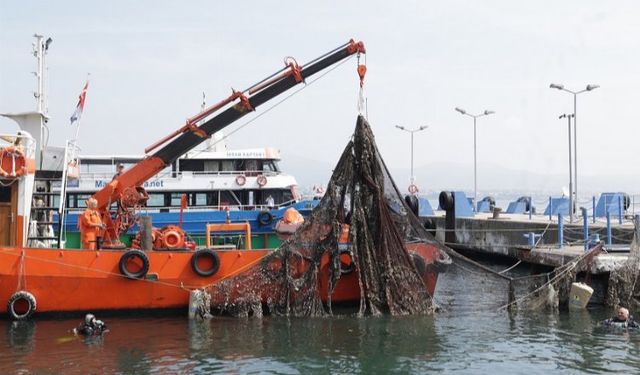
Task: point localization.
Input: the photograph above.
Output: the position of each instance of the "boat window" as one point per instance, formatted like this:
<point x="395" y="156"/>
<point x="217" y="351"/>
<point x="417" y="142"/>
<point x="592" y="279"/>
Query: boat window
<point x="175" y="199"/>
<point x="228" y="199"/>
<point x="250" y="165"/>
<point x="269" y="166"/>
<point x="97" y="168"/>
<point x="155" y="200"/>
<point x="81" y="200"/>
<point x="191" y="165"/>
<point x="5" y="194"/>
<point x="227" y="166"/>
<point x="201" y="199"/>
<point x="211" y="166"/>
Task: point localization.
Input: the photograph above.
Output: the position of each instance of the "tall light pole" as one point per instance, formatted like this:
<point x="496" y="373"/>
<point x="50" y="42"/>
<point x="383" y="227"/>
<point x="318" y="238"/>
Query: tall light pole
<point x="412" y="180"/>
<point x="475" y="164"/>
<point x="568" y="117"/>
<point x="589" y="87"/>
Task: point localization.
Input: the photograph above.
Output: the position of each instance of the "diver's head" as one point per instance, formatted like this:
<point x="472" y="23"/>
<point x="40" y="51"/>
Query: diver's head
<point x="89" y="318"/>
<point x="623" y="313"/>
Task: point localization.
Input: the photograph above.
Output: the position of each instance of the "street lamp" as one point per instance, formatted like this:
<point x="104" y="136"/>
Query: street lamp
<point x="568" y="117"/>
<point x="475" y="164"/>
<point x="412" y="131"/>
<point x="560" y="87"/>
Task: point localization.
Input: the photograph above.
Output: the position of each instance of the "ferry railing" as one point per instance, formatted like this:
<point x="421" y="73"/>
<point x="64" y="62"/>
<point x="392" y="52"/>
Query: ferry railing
<point x="172" y="174"/>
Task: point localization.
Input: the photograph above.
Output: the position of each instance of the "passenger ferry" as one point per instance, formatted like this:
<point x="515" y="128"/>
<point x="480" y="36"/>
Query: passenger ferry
<point x="210" y="185"/>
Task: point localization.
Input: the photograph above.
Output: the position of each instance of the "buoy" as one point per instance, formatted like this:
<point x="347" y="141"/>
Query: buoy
<point x="580" y="295"/>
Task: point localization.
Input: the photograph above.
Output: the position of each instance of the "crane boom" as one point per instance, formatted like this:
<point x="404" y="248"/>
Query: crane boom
<point x="127" y="189"/>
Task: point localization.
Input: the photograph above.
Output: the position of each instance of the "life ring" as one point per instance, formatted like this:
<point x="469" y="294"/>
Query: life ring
<point x="261" y="180"/>
<point x="413" y="189"/>
<point x="241" y="180"/>
<point x="21" y="305"/>
<point x="347" y="265"/>
<point x="15" y="162"/>
<point x="265" y="218"/>
<point x="418" y="263"/>
<point x="129" y="256"/>
<point x="205" y="254"/>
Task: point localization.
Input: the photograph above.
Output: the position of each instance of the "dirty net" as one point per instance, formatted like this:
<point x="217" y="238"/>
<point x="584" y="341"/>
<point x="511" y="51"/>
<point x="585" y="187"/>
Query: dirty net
<point x="362" y="204"/>
<point x="624" y="282"/>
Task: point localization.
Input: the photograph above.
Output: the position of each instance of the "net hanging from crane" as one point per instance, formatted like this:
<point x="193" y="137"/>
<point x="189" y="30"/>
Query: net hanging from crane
<point x="361" y="199"/>
<point x="624" y="282"/>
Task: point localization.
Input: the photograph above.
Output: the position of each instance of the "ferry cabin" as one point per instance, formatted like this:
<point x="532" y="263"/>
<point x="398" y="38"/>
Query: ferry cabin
<point x="238" y="180"/>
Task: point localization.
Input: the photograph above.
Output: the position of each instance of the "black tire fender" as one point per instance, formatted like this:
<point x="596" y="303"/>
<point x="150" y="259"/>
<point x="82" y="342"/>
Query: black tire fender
<point x="265" y="218"/>
<point x="18" y="296"/>
<point x="206" y="253"/>
<point x="132" y="254"/>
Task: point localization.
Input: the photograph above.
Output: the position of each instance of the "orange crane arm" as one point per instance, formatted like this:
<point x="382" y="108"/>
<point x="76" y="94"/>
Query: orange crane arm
<point x="127" y="189"/>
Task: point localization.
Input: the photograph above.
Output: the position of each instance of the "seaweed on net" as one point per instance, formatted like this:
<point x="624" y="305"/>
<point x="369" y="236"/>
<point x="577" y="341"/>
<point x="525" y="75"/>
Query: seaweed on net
<point x="362" y="197"/>
<point x="624" y="282"/>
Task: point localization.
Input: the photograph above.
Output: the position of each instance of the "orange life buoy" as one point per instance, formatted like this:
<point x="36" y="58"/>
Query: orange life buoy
<point x="261" y="180"/>
<point x="413" y="189"/>
<point x="241" y="180"/>
<point x="12" y="162"/>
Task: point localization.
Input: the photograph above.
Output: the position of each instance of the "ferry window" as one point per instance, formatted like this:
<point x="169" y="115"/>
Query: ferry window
<point x="211" y="166"/>
<point x="269" y="166"/>
<point x="287" y="196"/>
<point x="155" y="200"/>
<point x="227" y="199"/>
<point x="175" y="199"/>
<point x="81" y="200"/>
<point x="5" y="194"/>
<point x="251" y="165"/>
<point x="200" y="199"/>
<point x="227" y="166"/>
<point x="191" y="165"/>
<point x="212" y="198"/>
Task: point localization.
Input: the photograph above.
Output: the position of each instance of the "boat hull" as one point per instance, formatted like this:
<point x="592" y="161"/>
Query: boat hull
<point x="72" y="280"/>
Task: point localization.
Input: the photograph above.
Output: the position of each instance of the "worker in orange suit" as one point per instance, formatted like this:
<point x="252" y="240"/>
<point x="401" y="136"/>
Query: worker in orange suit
<point x="90" y="225"/>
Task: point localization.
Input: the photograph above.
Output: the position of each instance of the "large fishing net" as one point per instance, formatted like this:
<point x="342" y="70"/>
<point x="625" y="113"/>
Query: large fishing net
<point x="364" y="207"/>
<point x="624" y="282"/>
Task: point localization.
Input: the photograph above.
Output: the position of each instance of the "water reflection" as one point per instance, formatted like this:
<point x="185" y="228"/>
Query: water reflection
<point x="470" y="342"/>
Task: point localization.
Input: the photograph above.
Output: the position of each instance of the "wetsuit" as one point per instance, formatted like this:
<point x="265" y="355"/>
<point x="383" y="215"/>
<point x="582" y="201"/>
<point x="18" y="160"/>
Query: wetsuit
<point x="95" y="328"/>
<point x="619" y="323"/>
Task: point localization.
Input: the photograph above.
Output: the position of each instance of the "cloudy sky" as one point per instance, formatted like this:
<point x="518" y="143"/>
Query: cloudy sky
<point x="150" y="61"/>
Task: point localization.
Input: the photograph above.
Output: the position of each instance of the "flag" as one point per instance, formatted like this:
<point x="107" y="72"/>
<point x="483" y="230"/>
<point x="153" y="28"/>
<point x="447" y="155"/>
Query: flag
<point x="78" y="112"/>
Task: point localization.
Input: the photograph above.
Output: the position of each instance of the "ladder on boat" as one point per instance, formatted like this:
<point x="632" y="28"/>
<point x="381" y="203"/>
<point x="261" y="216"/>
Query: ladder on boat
<point x="46" y="224"/>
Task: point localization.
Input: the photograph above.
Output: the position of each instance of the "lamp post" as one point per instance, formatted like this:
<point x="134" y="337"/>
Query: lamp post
<point x="412" y="180"/>
<point x="589" y="87"/>
<point x="568" y="117"/>
<point x="475" y="164"/>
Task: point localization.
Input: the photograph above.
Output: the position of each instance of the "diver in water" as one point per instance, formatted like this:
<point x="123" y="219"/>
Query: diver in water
<point x="91" y="327"/>
<point x="622" y="320"/>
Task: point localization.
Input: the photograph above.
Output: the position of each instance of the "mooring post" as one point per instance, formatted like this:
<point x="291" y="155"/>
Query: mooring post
<point x="609" y="240"/>
<point x="560" y="230"/>
<point x="585" y="228"/>
<point x="594" y="209"/>
<point x="550" y="209"/>
<point x="619" y="209"/>
<point x="146" y="233"/>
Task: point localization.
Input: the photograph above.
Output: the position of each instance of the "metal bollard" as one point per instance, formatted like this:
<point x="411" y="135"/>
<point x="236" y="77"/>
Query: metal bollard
<point x="609" y="240"/>
<point x="560" y="231"/>
<point x="619" y="209"/>
<point x="585" y="228"/>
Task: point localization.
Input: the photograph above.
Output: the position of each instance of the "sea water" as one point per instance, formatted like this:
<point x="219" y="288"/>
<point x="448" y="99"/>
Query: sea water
<point x="460" y="338"/>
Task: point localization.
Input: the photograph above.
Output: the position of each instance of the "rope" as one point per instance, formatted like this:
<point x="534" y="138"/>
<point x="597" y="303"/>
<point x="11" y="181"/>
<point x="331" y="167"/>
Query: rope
<point x="274" y="105"/>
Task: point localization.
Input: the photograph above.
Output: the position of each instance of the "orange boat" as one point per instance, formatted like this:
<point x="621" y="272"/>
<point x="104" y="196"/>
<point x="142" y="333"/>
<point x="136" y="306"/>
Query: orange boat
<point x="37" y="274"/>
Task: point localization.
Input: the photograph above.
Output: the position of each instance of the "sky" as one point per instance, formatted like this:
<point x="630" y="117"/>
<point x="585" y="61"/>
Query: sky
<point x="150" y="61"/>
